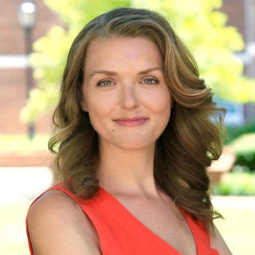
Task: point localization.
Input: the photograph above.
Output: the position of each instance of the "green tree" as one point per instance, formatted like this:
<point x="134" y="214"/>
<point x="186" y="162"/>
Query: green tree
<point x="199" y="23"/>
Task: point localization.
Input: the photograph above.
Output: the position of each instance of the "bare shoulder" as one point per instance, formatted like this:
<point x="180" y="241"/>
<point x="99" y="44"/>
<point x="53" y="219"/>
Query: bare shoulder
<point x="57" y="225"/>
<point x="218" y="243"/>
<point x="53" y="205"/>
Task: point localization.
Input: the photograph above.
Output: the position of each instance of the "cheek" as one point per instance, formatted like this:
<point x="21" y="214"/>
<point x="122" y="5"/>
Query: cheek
<point x="99" y="110"/>
<point x="162" y="109"/>
<point x="97" y="121"/>
<point x="161" y="102"/>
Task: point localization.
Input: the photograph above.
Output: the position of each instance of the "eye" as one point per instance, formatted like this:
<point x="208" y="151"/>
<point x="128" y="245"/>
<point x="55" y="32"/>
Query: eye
<point x="104" y="83"/>
<point x="150" y="81"/>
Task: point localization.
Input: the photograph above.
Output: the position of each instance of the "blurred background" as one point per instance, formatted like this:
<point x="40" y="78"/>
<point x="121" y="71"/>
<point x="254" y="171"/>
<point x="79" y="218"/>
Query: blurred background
<point x="34" y="40"/>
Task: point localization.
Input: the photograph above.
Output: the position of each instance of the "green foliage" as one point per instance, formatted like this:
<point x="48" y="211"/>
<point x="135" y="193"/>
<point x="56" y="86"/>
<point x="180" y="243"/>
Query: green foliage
<point x="203" y="29"/>
<point x="241" y="184"/>
<point x="234" y="132"/>
<point x="198" y="23"/>
<point x="76" y="13"/>
<point x="244" y="150"/>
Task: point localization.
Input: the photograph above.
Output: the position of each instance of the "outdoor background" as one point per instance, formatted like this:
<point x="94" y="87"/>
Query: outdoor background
<point x="221" y="36"/>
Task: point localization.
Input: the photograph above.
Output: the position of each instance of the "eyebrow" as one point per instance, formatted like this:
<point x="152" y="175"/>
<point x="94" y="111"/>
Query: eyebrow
<point x="111" y="73"/>
<point x="102" y="72"/>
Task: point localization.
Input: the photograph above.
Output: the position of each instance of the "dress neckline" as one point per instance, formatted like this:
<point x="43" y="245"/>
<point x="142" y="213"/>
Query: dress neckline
<point x="167" y="246"/>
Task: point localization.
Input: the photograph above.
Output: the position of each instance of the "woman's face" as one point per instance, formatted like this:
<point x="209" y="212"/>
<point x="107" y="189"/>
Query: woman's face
<point x="125" y="92"/>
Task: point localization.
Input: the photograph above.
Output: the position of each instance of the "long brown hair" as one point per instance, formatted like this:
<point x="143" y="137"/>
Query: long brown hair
<point x="191" y="140"/>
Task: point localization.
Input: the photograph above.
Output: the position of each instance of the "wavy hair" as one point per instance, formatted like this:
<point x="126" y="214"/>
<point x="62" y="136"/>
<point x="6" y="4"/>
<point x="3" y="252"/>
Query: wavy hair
<point x="191" y="140"/>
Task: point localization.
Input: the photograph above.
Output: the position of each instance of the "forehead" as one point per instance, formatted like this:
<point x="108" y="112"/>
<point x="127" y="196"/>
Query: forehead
<point x="122" y="50"/>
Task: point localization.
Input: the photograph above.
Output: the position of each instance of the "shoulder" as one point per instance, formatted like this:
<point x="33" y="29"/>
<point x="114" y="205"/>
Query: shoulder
<point x="218" y="243"/>
<point x="57" y="225"/>
<point x="52" y="205"/>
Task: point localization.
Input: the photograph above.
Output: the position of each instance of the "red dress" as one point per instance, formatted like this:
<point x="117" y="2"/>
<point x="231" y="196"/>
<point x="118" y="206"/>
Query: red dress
<point x="121" y="233"/>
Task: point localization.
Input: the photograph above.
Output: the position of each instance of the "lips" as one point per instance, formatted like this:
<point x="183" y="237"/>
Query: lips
<point x="131" y="122"/>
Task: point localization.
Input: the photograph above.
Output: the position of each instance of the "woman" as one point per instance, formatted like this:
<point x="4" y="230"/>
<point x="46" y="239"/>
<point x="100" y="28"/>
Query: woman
<point x="134" y="135"/>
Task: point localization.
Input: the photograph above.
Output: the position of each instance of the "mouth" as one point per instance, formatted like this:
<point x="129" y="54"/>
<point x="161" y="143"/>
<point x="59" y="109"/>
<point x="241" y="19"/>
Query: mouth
<point x="131" y="122"/>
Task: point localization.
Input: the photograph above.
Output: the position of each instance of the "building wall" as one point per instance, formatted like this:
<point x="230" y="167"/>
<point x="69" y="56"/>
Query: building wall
<point x="13" y="80"/>
<point x="235" y="11"/>
<point x="12" y="35"/>
<point x="241" y="14"/>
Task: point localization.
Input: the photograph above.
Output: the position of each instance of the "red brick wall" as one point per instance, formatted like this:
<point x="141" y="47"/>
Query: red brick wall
<point x="13" y="81"/>
<point x="12" y="35"/>
<point x="235" y="11"/>
<point x="12" y="99"/>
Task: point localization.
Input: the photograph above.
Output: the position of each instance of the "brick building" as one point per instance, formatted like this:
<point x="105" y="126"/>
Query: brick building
<point x="241" y="14"/>
<point x="12" y="64"/>
<point x="12" y="48"/>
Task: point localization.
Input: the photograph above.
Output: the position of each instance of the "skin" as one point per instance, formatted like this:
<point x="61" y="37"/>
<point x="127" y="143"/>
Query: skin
<point x="123" y="79"/>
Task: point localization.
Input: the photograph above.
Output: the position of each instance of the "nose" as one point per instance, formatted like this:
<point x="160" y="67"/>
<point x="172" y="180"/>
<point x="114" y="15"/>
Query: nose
<point x="128" y="96"/>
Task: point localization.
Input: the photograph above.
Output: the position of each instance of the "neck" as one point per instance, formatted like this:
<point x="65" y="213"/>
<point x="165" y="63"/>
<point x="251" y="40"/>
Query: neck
<point x="127" y="171"/>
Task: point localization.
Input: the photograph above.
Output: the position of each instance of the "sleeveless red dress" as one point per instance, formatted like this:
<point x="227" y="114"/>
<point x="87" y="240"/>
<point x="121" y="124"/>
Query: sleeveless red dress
<point x="120" y="233"/>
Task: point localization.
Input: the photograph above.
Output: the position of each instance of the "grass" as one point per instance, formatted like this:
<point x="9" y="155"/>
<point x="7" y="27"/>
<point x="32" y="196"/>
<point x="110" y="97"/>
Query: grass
<point x="22" y="144"/>
<point x="237" y="229"/>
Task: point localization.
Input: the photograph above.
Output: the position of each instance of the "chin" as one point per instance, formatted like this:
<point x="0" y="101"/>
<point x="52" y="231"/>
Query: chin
<point x="135" y="145"/>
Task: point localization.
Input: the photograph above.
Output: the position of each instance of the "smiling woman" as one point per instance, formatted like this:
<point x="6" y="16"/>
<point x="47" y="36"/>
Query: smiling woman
<point x="127" y="94"/>
<point x="134" y="135"/>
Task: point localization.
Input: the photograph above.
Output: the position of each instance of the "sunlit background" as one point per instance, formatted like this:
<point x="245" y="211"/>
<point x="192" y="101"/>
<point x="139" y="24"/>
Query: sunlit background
<point x="34" y="39"/>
